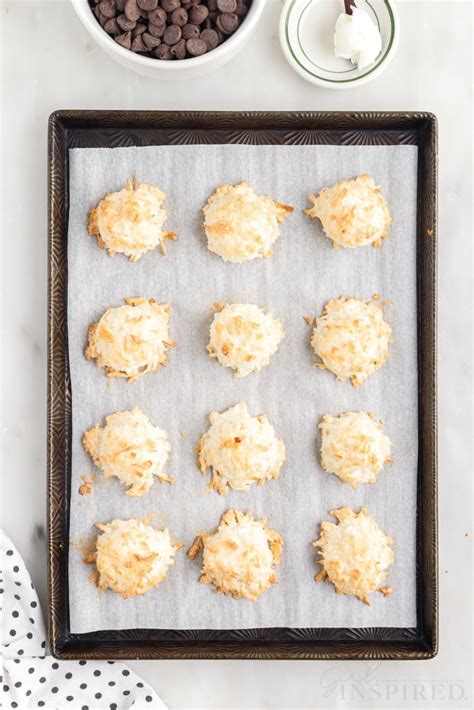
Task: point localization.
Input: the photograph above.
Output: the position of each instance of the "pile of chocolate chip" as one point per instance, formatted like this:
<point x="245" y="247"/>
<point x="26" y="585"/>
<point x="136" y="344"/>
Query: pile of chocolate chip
<point x="170" y="29"/>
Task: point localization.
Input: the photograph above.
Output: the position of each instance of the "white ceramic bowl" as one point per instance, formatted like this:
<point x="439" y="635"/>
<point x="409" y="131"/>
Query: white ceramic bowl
<point x="307" y="41"/>
<point x="174" y="69"/>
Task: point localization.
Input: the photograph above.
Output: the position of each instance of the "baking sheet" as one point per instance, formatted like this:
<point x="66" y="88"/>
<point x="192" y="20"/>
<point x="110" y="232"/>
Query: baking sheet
<point x="297" y="280"/>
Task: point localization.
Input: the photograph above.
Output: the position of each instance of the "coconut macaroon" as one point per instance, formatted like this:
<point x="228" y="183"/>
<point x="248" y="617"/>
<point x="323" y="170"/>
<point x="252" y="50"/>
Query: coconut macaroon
<point x="240" y="450"/>
<point x="353" y="213"/>
<point x="351" y="338"/>
<point x="244" y="337"/>
<point x="241" y="225"/>
<point x="130" y="448"/>
<point x="132" y="339"/>
<point x="131" y="556"/>
<point x="355" y="554"/>
<point x="130" y="221"/>
<point x="353" y="447"/>
<point x="238" y="558"/>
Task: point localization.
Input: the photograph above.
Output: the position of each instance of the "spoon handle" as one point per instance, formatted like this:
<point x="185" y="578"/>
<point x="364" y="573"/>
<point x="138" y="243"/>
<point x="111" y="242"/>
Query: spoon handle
<point x="348" y="5"/>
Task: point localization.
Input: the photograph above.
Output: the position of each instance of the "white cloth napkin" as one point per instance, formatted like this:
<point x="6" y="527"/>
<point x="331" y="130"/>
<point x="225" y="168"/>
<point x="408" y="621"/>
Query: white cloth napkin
<point x="31" y="679"/>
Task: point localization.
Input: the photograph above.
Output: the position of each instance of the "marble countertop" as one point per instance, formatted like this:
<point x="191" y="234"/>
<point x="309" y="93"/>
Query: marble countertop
<point x="49" y="62"/>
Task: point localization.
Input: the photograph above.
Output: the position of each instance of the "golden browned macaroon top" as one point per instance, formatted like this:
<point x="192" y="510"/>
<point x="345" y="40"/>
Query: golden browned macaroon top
<point x="241" y="225"/>
<point x="353" y="213"/>
<point x="244" y="337"/>
<point x="240" y="450"/>
<point x="131" y="221"/>
<point x="351" y="338"/>
<point x="132" y="339"/>
<point x="131" y="448"/>
<point x="353" y="447"/>
<point x="355" y="554"/>
<point x="131" y="556"/>
<point x="238" y="558"/>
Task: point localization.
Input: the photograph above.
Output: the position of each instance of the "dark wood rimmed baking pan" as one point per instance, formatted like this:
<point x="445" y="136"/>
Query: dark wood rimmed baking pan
<point x="69" y="129"/>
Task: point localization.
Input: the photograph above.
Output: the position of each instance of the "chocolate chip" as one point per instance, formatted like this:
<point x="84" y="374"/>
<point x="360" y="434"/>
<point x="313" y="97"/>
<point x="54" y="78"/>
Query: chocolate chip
<point x="179" y="17"/>
<point x="138" y="45"/>
<point x="139" y="30"/>
<point x="157" y="30"/>
<point x="125" y="24"/>
<point x="172" y="34"/>
<point x="226" y="5"/>
<point x="241" y="9"/>
<point x="196" y="47"/>
<point x="147" y="5"/>
<point x="198" y="14"/>
<point x="227" y="23"/>
<point x="150" y="41"/>
<point x="107" y="8"/>
<point x="210" y="39"/>
<point x="111" y="26"/>
<point x="170" y="5"/>
<point x="162" y="52"/>
<point x="124" y="40"/>
<point x="190" y="31"/>
<point x="178" y="50"/>
<point x="132" y="11"/>
<point x="102" y="19"/>
<point x="157" y="17"/>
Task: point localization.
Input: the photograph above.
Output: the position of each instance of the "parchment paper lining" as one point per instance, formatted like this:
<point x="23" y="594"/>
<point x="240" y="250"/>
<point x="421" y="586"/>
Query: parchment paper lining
<point x="302" y="275"/>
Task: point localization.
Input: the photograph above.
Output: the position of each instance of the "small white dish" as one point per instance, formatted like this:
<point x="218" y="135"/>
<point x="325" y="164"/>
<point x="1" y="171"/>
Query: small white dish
<point x="175" y="69"/>
<point x="307" y="41"/>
